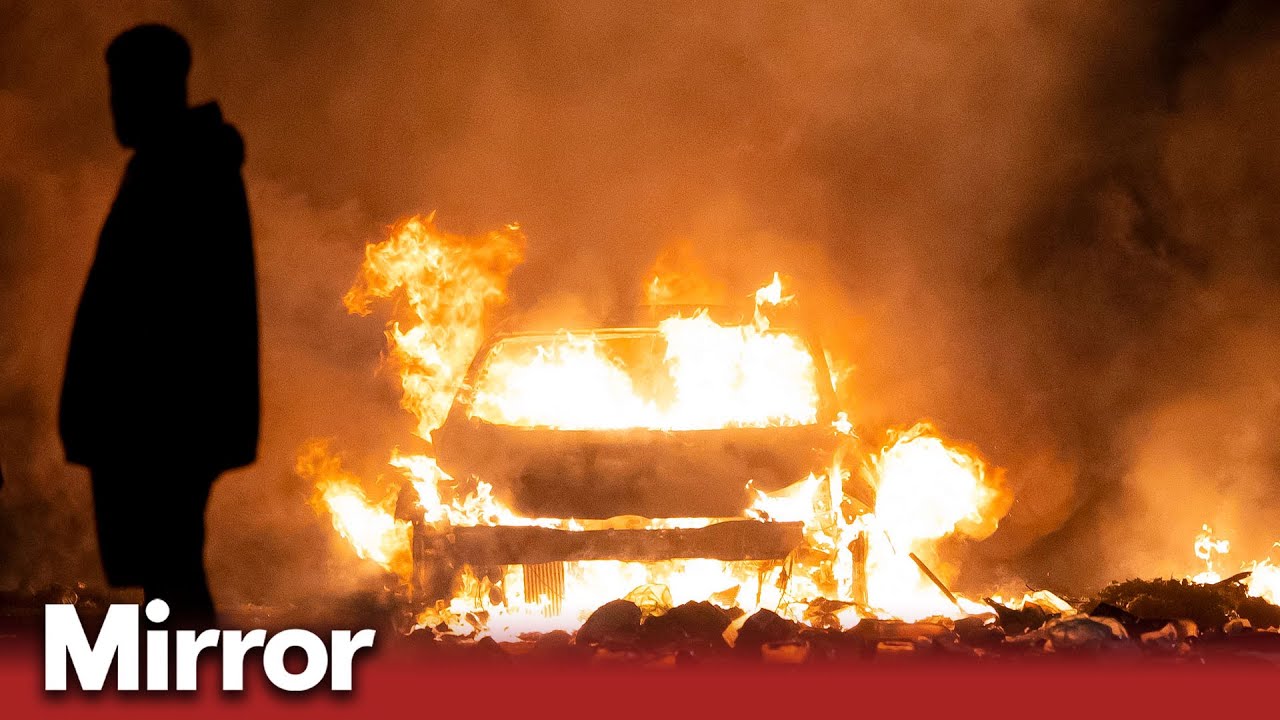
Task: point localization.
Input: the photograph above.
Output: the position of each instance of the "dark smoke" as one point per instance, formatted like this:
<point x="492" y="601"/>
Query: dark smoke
<point x="1050" y="227"/>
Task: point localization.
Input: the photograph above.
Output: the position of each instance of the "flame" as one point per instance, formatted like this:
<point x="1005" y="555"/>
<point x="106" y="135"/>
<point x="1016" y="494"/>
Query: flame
<point x="862" y="561"/>
<point x="448" y="284"/>
<point x="443" y="287"/>
<point x="771" y="294"/>
<point x="371" y="528"/>
<point x="1264" y="581"/>
<point x="714" y="376"/>
<point x="1264" y="576"/>
<point x="444" y="504"/>
<point x="926" y="490"/>
<point x="1206" y="547"/>
<point x="655" y="587"/>
<point x="678" y="277"/>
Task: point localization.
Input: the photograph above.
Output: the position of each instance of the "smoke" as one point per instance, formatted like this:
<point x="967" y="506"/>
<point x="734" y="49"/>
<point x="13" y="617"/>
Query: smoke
<point x="1048" y="227"/>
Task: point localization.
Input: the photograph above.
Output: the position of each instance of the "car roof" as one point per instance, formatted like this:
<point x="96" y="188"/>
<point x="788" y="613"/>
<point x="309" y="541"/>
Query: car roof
<point x="629" y="330"/>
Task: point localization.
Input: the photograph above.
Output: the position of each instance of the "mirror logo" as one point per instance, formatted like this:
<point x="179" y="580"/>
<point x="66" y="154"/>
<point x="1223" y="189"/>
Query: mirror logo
<point x="119" y="641"/>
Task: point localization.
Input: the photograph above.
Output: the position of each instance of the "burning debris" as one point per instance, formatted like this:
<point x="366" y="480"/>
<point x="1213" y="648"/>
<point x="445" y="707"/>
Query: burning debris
<point x="1261" y="579"/>
<point x="1208" y="606"/>
<point x="704" y="632"/>
<point x="688" y="485"/>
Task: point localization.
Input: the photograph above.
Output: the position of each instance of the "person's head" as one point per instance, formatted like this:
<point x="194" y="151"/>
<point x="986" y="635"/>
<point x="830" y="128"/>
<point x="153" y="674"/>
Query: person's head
<point x="148" y="68"/>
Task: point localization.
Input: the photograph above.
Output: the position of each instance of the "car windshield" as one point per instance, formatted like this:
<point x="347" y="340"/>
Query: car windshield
<point x="686" y="374"/>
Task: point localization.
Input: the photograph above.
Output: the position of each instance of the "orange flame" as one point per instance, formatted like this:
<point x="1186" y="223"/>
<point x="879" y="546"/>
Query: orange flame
<point x="1264" y="581"/>
<point x="1264" y="576"/>
<point x="448" y="283"/>
<point x="445" y="286"/>
<point x="926" y="490"/>
<point x="1208" y="548"/>
<point x="371" y="528"/>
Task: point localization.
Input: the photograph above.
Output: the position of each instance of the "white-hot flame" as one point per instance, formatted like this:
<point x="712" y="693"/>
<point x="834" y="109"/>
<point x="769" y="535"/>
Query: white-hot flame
<point x="707" y="376"/>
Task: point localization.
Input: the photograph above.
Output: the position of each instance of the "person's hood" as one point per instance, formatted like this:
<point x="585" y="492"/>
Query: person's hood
<point x="205" y="133"/>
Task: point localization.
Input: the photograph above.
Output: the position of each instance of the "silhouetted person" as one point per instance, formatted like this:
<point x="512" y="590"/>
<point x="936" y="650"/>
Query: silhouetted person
<point x="161" y="389"/>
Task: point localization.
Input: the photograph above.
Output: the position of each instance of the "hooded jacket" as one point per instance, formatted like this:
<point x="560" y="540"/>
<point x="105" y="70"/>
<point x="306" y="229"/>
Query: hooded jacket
<point x="163" y="362"/>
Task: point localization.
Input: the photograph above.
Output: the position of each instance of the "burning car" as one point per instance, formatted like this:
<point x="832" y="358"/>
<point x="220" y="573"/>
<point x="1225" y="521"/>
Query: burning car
<point x="638" y="443"/>
<point x="688" y="455"/>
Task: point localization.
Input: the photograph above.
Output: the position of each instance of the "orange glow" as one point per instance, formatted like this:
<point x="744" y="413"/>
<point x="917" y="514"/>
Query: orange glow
<point x="679" y="278"/>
